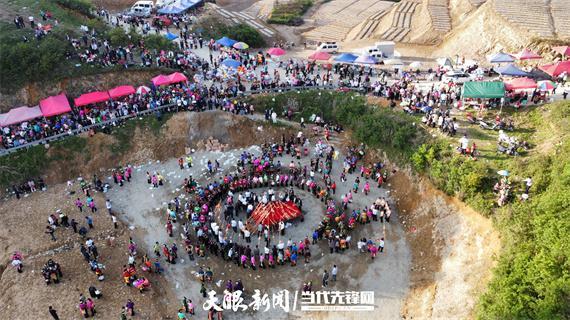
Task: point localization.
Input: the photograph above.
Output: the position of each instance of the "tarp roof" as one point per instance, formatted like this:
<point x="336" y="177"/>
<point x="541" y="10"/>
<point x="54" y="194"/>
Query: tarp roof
<point x="179" y="6"/>
<point x="555" y="69"/>
<point x="54" y="105"/>
<point x="121" y="91"/>
<point x="177" y="77"/>
<point x="511" y="70"/>
<point x="365" y="59"/>
<point x="91" y="97"/>
<point x="226" y="42"/>
<point x="520" y="83"/>
<point x="501" y="57"/>
<point x="346" y="57"/>
<point x="20" y="114"/>
<point x="526" y="54"/>
<point x="320" y="55"/>
<point x="564" y="50"/>
<point x="161" y="80"/>
<point x="483" y="89"/>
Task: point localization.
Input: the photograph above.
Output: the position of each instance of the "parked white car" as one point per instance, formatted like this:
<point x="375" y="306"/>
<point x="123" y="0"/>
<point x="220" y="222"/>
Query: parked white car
<point x="458" y="77"/>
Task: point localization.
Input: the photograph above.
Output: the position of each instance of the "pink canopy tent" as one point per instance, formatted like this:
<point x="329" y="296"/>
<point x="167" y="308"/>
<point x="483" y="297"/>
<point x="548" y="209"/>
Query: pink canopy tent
<point x="54" y="105"/>
<point x="91" y="97"/>
<point x="526" y="54"/>
<point x="520" y="83"/>
<point x="121" y="91"/>
<point x="319" y="55"/>
<point x="564" y="50"/>
<point x="276" y="51"/>
<point x="555" y="69"/>
<point x="161" y="80"/>
<point x="18" y="115"/>
<point x="177" y="77"/>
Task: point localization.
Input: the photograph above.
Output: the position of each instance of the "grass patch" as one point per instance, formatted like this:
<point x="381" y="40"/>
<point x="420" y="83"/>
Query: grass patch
<point x="125" y="132"/>
<point x="290" y="13"/>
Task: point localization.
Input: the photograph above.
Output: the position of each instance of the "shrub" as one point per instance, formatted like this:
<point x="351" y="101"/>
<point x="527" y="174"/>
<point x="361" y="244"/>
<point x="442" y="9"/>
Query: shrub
<point x="213" y="28"/>
<point x="82" y="6"/>
<point x="30" y="61"/>
<point x="290" y="13"/>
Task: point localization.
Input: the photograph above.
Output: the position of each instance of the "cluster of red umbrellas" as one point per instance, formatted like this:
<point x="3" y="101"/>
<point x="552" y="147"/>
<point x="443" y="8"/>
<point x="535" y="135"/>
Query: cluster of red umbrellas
<point x="275" y="211"/>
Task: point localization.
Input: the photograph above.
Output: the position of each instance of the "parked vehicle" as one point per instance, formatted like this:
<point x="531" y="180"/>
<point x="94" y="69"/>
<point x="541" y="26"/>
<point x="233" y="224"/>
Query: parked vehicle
<point x="458" y="77"/>
<point x="330" y="47"/>
<point x="143" y="8"/>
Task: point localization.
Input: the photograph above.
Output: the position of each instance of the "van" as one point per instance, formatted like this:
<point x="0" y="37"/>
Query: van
<point x="330" y="47"/>
<point x="370" y="51"/>
<point x="142" y="8"/>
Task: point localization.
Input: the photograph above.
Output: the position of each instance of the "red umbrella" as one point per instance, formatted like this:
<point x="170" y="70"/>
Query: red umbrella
<point x="564" y="50"/>
<point x="526" y="54"/>
<point x="276" y="51"/>
<point x="320" y="55"/>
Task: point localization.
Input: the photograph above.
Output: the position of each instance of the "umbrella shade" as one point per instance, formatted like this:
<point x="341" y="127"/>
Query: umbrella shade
<point x="526" y="54"/>
<point x="170" y="36"/>
<point x="511" y="70"/>
<point x="121" y="91"/>
<point x="320" y="55"/>
<point x="231" y="63"/>
<point x="274" y="212"/>
<point x="555" y="69"/>
<point x="520" y="83"/>
<point x="177" y="77"/>
<point x="546" y="85"/>
<point x="365" y="59"/>
<point x="276" y="51"/>
<point x="415" y="64"/>
<point x="444" y="62"/>
<point x="226" y="42"/>
<point x="346" y="58"/>
<point x="503" y="173"/>
<point x="241" y="45"/>
<point x="143" y="90"/>
<point x="161" y="80"/>
<point x="91" y="97"/>
<point x="18" y="115"/>
<point x="394" y="62"/>
<point x="501" y="57"/>
<point x="564" y="50"/>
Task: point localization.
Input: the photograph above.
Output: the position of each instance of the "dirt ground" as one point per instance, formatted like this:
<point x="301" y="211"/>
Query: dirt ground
<point x="437" y="258"/>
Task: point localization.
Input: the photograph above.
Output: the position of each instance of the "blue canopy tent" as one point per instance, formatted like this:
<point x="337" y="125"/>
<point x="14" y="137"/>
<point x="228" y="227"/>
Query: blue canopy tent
<point x="501" y="57"/>
<point x="346" y="58"/>
<point x="231" y="63"/>
<point x="511" y="70"/>
<point x="226" y="42"/>
<point x="179" y="6"/>
<point x="170" y="36"/>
